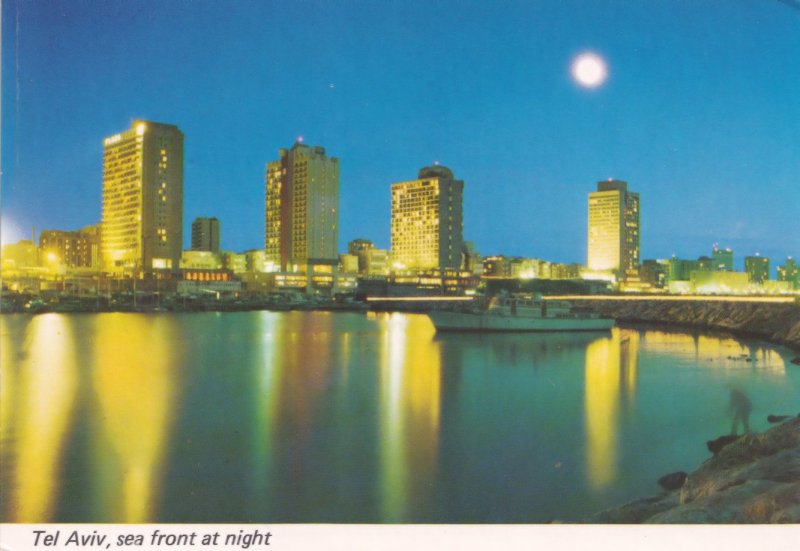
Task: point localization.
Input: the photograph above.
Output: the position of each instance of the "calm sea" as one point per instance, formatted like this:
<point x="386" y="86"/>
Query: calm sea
<point x="339" y="417"/>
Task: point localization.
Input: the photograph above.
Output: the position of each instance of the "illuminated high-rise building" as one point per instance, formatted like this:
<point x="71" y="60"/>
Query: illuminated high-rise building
<point x="142" y="227"/>
<point x="427" y="221"/>
<point x="205" y="234"/>
<point x="302" y="207"/>
<point x="613" y="242"/>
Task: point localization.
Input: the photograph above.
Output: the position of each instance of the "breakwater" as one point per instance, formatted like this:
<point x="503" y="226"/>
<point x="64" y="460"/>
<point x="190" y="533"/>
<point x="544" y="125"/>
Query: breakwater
<point x="775" y="322"/>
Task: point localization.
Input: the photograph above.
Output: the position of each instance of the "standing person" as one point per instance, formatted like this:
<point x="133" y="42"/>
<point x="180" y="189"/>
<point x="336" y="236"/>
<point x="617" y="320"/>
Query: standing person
<point x="740" y="406"/>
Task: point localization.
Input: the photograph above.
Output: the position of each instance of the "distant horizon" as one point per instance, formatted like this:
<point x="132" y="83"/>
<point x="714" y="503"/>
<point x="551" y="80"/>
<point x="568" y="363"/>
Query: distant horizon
<point x="698" y="114"/>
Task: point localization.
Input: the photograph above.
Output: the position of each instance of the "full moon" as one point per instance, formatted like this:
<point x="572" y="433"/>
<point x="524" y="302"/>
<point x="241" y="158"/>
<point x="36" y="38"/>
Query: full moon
<point x="589" y="70"/>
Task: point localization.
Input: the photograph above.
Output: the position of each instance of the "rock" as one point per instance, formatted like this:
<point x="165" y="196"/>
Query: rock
<point x="777" y="418"/>
<point x="715" y="446"/>
<point x="637" y="511"/>
<point x="752" y="502"/>
<point x="673" y="481"/>
<point x="795" y="361"/>
<point x="751" y="479"/>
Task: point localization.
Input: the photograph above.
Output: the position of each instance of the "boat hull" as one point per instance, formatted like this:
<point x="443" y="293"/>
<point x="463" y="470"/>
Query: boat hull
<point x="465" y="321"/>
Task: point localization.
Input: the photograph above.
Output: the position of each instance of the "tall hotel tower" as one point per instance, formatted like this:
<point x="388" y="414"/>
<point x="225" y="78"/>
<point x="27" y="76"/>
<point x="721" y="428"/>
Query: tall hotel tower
<point x="427" y="221"/>
<point x="142" y="227"/>
<point x="613" y="228"/>
<point x="302" y="210"/>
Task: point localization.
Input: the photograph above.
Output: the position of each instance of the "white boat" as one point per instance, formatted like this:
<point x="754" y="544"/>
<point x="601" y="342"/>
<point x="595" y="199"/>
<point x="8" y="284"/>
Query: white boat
<point x="520" y="313"/>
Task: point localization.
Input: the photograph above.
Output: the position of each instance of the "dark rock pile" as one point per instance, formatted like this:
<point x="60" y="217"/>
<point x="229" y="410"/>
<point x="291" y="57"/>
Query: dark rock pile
<point x="778" y="323"/>
<point x="755" y="479"/>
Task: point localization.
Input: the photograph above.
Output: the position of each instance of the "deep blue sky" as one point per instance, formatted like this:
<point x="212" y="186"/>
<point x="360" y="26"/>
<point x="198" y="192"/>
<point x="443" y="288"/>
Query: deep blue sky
<point x="701" y="113"/>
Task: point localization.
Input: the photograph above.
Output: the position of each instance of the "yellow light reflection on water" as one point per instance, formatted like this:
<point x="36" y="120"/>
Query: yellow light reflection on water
<point x="629" y="356"/>
<point x="134" y="380"/>
<point x="410" y="412"/>
<point x="10" y="355"/>
<point x="266" y="369"/>
<point x="611" y="371"/>
<point x="47" y="382"/>
<point x="714" y="351"/>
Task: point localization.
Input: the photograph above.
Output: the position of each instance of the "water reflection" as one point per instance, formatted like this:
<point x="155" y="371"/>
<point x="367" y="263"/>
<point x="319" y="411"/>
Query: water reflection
<point x="410" y="414"/>
<point x="47" y="381"/>
<point x="511" y="349"/>
<point x="265" y="369"/>
<point x="304" y="367"/>
<point x="318" y="417"/>
<point x="611" y="371"/>
<point x="135" y="383"/>
<point x="719" y="351"/>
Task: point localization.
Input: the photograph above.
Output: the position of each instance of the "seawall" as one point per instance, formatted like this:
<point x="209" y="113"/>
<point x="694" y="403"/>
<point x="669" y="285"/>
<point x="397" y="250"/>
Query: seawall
<point x="775" y="322"/>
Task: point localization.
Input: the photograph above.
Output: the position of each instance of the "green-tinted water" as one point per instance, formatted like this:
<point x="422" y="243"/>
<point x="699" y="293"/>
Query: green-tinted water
<point x="320" y="417"/>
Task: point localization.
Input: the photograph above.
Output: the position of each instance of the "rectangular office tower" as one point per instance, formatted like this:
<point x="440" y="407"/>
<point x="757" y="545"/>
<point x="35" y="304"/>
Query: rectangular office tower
<point x="427" y="221"/>
<point x="613" y="228"/>
<point x="205" y="234"/>
<point x="302" y="207"/>
<point x="142" y="226"/>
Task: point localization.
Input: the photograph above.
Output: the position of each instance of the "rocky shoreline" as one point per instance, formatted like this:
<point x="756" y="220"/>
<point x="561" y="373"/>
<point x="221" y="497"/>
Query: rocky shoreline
<point x="753" y="480"/>
<point x="773" y="322"/>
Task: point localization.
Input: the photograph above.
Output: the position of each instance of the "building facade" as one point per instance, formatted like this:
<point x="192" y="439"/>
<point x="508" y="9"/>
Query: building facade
<point x="790" y="272"/>
<point x="757" y="268"/>
<point x="427" y="221"/>
<point x="71" y="249"/>
<point x="614" y="221"/>
<point x="372" y="261"/>
<point x="302" y="207"/>
<point x="205" y="234"/>
<point x="142" y="226"/>
<point x="21" y="255"/>
<point x="722" y="258"/>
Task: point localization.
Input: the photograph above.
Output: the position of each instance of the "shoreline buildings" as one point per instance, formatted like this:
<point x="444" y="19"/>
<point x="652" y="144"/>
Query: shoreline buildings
<point x="613" y="233"/>
<point x="427" y="221"/>
<point x="141" y="236"/>
<point x="142" y="224"/>
<point x="205" y="234"/>
<point x="302" y="207"/>
<point x="71" y="249"/>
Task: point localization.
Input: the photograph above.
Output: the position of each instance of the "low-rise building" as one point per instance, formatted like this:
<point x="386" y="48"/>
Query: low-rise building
<point x="200" y="260"/>
<point x="348" y="263"/>
<point x="70" y="249"/>
<point x="790" y="272"/>
<point x="235" y="262"/>
<point x="255" y="260"/>
<point x="707" y="282"/>
<point x="757" y="268"/>
<point x="20" y="255"/>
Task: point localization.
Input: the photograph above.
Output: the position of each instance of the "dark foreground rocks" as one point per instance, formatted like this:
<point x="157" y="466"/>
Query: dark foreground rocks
<point x="673" y="481"/>
<point x="752" y="480"/>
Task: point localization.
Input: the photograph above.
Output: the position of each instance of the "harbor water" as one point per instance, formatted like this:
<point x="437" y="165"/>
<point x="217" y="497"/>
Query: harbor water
<point x="356" y="418"/>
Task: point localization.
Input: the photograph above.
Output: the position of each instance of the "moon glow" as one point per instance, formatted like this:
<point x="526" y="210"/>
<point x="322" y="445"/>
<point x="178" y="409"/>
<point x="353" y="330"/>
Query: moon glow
<point x="589" y="70"/>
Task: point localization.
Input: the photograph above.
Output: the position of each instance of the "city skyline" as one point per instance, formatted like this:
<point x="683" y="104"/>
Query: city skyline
<point x="702" y="161"/>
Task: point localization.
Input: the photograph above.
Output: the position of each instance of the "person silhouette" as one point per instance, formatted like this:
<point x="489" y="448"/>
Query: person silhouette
<point x="740" y="406"/>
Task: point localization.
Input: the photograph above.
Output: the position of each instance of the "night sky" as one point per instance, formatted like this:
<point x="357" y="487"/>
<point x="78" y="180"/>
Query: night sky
<point x="700" y="113"/>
